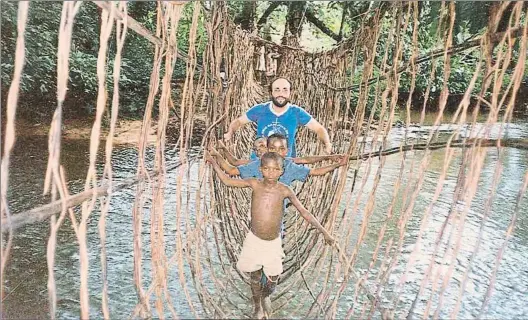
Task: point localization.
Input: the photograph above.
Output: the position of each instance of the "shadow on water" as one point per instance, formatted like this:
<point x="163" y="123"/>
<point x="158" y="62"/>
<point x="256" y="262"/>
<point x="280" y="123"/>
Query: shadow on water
<point x="26" y="277"/>
<point x="27" y="274"/>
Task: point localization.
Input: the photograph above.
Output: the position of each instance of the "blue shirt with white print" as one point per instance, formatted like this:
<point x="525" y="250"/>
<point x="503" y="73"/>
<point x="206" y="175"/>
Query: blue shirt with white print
<point x="269" y="122"/>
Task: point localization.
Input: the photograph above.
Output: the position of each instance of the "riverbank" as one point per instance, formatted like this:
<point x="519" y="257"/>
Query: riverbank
<point x="77" y="124"/>
<point x="127" y="131"/>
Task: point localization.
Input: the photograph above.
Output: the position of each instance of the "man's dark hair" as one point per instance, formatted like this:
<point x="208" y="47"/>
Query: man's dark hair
<point x="270" y="86"/>
<point x="276" y="136"/>
<point x="272" y="156"/>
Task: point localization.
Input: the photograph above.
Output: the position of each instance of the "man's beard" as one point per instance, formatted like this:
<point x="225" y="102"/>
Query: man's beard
<point x="278" y="104"/>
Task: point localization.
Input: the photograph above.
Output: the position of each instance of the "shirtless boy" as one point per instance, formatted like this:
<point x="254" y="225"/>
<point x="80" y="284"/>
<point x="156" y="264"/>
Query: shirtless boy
<point x="262" y="250"/>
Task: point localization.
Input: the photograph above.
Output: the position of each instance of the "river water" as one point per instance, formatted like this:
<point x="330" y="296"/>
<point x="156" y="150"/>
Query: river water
<point x="26" y="276"/>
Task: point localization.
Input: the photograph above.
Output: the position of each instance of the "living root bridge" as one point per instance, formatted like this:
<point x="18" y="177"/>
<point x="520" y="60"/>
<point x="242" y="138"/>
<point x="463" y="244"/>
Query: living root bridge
<point x="43" y="212"/>
<point x="215" y="222"/>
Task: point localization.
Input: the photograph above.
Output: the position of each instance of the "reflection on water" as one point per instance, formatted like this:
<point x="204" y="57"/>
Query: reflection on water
<point x="509" y="297"/>
<point x="27" y="271"/>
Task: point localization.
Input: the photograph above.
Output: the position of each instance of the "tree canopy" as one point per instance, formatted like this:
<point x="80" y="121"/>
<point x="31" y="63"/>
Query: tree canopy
<point x="315" y="25"/>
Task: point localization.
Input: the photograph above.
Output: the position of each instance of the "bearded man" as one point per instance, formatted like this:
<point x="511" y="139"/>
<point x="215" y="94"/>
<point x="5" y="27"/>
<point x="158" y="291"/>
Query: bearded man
<point x="280" y="116"/>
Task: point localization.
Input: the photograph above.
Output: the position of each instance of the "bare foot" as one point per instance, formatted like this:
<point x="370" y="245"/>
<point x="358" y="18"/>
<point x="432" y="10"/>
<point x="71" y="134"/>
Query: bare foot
<point x="266" y="303"/>
<point x="258" y="313"/>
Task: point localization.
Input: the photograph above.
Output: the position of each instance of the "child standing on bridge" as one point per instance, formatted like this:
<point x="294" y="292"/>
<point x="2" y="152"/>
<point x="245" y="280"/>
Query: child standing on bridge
<point x="262" y="252"/>
<point x="259" y="147"/>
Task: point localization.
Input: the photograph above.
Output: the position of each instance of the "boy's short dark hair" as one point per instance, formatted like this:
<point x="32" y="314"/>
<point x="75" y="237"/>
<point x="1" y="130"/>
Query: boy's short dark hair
<point x="277" y="136"/>
<point x="259" y="138"/>
<point x="272" y="156"/>
<point x="270" y="86"/>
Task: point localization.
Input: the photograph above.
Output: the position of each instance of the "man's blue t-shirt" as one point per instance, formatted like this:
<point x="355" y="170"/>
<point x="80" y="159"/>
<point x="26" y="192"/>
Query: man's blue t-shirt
<point x="292" y="171"/>
<point x="269" y="123"/>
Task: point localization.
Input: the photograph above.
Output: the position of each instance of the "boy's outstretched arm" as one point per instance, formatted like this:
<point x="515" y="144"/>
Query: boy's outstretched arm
<point x="232" y="171"/>
<point x="324" y="170"/>
<point x="309" y="217"/>
<point x="315" y="159"/>
<point x="230" y="157"/>
<point x="235" y="125"/>
<point x="237" y="183"/>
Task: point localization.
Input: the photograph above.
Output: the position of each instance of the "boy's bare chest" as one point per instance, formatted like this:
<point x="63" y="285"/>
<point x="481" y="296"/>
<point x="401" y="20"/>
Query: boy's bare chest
<point x="268" y="195"/>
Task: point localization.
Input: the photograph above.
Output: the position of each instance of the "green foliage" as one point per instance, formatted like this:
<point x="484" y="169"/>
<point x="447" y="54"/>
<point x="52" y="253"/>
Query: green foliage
<point x="40" y="72"/>
<point x="41" y="53"/>
<point x="39" y="77"/>
<point x="183" y="38"/>
<point x="462" y="65"/>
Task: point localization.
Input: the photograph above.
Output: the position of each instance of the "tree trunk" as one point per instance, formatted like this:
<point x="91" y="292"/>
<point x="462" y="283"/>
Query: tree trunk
<point x="292" y="33"/>
<point x="503" y="23"/>
<point x="246" y="18"/>
<point x="294" y="18"/>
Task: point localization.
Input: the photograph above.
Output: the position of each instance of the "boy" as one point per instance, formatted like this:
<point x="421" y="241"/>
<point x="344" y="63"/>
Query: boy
<point x="278" y="143"/>
<point x="260" y="146"/>
<point x="262" y="250"/>
<point x="292" y="171"/>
